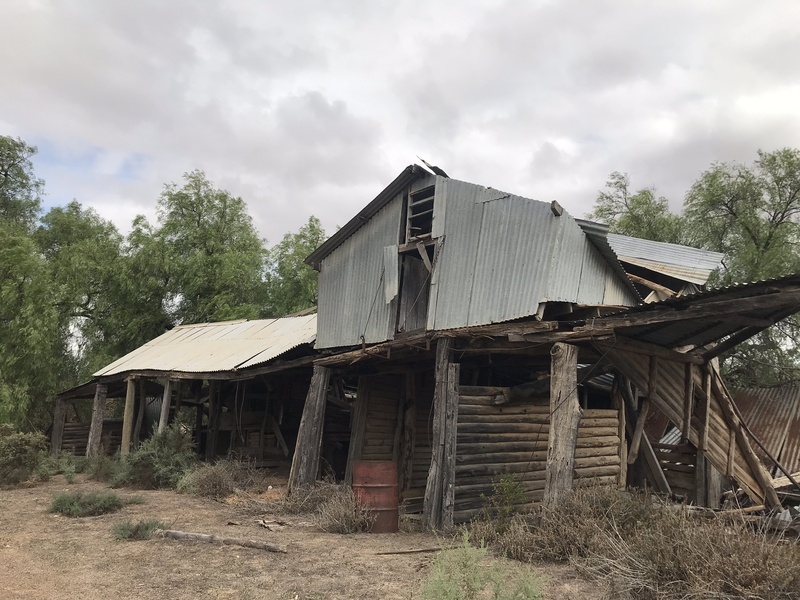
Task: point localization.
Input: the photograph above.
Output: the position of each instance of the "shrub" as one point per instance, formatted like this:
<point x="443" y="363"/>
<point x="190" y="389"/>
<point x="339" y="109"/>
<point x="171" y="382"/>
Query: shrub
<point x="220" y="479"/>
<point x="159" y="462"/>
<point x="463" y="573"/>
<point x="101" y="467"/>
<point x="143" y="530"/>
<point x="341" y="512"/>
<point x="77" y="504"/>
<point x="20" y="454"/>
<point x="645" y="549"/>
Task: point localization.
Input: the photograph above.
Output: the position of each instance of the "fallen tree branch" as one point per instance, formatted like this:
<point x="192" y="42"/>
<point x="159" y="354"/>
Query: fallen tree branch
<point x="213" y="539"/>
<point x="414" y="551"/>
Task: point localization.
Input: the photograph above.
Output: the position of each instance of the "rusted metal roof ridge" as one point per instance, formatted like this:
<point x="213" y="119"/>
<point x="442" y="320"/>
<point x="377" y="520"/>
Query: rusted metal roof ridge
<point x="408" y="175"/>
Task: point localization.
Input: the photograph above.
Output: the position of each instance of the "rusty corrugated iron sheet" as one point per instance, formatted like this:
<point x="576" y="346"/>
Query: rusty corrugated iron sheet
<point x="213" y="347"/>
<point x="773" y="415"/>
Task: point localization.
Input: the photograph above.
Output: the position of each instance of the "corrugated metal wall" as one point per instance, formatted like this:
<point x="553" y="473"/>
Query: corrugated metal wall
<point x="351" y="287"/>
<point x="503" y="255"/>
<point x="500" y="256"/>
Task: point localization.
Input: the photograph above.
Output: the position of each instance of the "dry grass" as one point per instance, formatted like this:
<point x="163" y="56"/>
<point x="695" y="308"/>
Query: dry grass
<point x="644" y="549"/>
<point x="342" y="513"/>
<point x="221" y="479"/>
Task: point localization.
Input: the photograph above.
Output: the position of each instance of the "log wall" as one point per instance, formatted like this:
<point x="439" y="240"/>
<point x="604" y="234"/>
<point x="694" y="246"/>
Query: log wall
<point x="383" y="402"/>
<point x="76" y="436"/>
<point x="512" y="439"/>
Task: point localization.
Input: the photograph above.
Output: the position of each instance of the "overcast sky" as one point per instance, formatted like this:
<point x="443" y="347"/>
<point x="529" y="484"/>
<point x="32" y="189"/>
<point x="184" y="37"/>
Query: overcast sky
<point x="312" y="107"/>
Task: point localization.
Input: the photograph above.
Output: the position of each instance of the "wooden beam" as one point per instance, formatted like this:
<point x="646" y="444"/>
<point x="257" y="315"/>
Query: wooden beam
<point x="433" y="500"/>
<point x="703" y="441"/>
<point x="213" y="419"/>
<point x="650" y="460"/>
<point x="449" y="452"/>
<point x="619" y="403"/>
<point x="166" y="400"/>
<point x="357" y="428"/>
<point x="688" y="401"/>
<point x="305" y="462"/>
<point x="626" y="343"/>
<point x="142" y="405"/>
<point x="57" y="435"/>
<point x="651" y="285"/>
<point x="638" y="432"/>
<point x="127" y="418"/>
<point x="565" y="416"/>
<point x="409" y="441"/>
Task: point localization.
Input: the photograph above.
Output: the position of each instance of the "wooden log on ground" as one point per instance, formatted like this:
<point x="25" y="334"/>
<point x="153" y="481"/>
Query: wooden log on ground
<point x="187" y="536"/>
<point x="305" y="462"/>
<point x="98" y="413"/>
<point x="566" y="415"/>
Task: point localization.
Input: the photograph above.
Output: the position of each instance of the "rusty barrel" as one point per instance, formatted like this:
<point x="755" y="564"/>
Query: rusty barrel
<point x="375" y="487"/>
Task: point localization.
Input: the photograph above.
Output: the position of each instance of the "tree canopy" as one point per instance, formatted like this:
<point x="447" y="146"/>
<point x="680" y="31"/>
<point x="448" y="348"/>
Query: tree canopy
<point x="75" y="294"/>
<point x="748" y="212"/>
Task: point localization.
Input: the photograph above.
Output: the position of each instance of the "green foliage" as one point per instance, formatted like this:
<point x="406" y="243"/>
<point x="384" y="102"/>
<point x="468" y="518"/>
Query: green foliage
<point x="100" y="467"/>
<point x="507" y="495"/>
<point x="20" y="454"/>
<point x="216" y="255"/>
<point x="750" y="213"/>
<point x="20" y="190"/>
<point x="31" y="345"/>
<point x="78" y="504"/>
<point x="129" y="531"/>
<point x="160" y="462"/>
<point x="292" y="284"/>
<point x="464" y="573"/>
<point x="641" y="214"/>
<point x="64" y="463"/>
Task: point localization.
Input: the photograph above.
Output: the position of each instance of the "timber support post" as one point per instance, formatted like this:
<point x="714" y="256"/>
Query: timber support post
<point x="166" y="399"/>
<point x="305" y="462"/>
<point x="57" y="435"/>
<point x="127" y="417"/>
<point x="98" y="414"/>
<point x="433" y="502"/>
<point x="565" y="416"/>
<point x="357" y="427"/>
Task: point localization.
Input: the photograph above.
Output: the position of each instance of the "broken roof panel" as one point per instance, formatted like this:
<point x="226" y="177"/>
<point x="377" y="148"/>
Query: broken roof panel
<point x="212" y="347"/>
<point x="773" y="415"/>
<point x="681" y="262"/>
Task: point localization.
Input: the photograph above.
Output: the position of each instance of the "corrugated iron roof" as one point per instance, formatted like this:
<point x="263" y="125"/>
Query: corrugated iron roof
<point x="772" y="301"/>
<point x="773" y="415"/>
<point x="681" y="262"/>
<point x="212" y="347"/>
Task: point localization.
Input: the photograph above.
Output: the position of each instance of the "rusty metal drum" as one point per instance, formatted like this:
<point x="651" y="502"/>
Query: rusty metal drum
<point x="375" y="487"/>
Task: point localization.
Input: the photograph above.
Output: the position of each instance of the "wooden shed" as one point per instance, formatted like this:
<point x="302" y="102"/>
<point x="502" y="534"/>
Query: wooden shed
<point x="239" y="386"/>
<point x="475" y="323"/>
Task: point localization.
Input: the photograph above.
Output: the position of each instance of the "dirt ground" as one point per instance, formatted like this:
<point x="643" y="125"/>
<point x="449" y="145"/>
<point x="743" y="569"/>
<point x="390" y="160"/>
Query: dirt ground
<point x="44" y="556"/>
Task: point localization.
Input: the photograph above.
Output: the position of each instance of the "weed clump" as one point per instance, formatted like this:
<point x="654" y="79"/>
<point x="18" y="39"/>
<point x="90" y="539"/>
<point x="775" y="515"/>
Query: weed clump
<point x="220" y="480"/>
<point x="463" y="573"/>
<point x="160" y="462"/>
<point x="20" y="454"/>
<point x="129" y="531"/>
<point x="77" y="504"/>
<point x="647" y="550"/>
<point x="341" y="512"/>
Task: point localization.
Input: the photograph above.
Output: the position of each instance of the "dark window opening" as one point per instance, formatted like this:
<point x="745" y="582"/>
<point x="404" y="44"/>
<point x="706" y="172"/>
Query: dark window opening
<point x="419" y="215"/>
